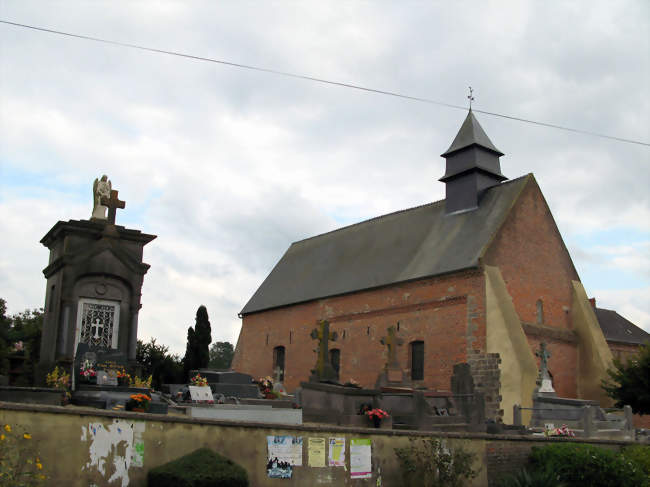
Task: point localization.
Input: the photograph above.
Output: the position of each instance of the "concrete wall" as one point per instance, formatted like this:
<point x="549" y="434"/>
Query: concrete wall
<point x="594" y="356"/>
<point x="446" y="313"/>
<point x="86" y="447"/>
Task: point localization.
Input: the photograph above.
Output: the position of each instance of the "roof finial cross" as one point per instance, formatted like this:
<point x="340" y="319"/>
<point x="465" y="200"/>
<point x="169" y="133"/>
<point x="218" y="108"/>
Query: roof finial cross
<point x="470" y="97"/>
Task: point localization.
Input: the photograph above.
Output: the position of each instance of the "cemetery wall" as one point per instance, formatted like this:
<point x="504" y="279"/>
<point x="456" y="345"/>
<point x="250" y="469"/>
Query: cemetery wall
<point x="447" y="313"/>
<point x="81" y="447"/>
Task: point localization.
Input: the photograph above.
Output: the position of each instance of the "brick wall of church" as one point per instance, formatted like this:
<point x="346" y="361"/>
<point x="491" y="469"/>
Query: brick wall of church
<point x="538" y="271"/>
<point x="446" y="313"/>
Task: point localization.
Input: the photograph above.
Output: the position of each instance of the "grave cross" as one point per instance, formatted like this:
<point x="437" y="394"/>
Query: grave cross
<point x="544" y="355"/>
<point x="392" y="342"/>
<point x="323" y="370"/>
<point x="113" y="203"/>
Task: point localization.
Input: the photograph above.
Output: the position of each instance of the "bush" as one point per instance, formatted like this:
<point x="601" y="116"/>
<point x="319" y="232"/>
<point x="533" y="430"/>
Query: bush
<point x="534" y="478"/>
<point x="640" y="455"/>
<point x="433" y="464"/>
<point x="201" y="468"/>
<point x="587" y="465"/>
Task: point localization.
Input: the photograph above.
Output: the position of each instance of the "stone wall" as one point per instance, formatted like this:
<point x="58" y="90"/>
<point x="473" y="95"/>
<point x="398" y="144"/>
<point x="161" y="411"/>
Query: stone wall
<point x="81" y="447"/>
<point x="486" y="374"/>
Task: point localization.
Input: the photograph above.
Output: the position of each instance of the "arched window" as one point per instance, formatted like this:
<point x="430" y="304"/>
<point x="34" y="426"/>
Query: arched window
<point x="335" y="360"/>
<point x="278" y="363"/>
<point x="540" y="312"/>
<point x="417" y="360"/>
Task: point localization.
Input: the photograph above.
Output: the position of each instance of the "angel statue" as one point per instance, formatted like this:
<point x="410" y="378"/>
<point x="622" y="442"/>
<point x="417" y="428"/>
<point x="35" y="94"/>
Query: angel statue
<point x="101" y="188"/>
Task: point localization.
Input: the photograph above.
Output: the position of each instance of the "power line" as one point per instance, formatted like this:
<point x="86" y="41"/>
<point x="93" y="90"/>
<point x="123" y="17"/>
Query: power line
<point x="322" y="80"/>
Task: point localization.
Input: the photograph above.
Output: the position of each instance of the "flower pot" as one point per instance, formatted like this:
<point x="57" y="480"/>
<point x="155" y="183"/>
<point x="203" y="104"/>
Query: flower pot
<point x="376" y="421"/>
<point x="138" y="410"/>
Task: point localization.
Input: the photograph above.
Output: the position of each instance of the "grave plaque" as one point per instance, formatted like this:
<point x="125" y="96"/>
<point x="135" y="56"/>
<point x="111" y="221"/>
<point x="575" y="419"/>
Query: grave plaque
<point x="201" y="394"/>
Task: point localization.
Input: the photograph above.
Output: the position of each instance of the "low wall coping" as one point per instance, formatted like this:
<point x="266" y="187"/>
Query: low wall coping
<point x="79" y="411"/>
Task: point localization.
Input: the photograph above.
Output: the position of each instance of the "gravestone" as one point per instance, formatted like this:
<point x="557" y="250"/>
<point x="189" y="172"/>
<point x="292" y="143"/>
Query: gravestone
<point x="392" y="375"/>
<point x="225" y="382"/>
<point x="94" y="283"/>
<point x="544" y="382"/>
<point x="323" y="370"/>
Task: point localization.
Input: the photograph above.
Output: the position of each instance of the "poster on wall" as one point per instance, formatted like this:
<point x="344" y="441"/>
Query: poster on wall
<point x="284" y="453"/>
<point x="337" y="452"/>
<point x="316" y="450"/>
<point x="360" y="458"/>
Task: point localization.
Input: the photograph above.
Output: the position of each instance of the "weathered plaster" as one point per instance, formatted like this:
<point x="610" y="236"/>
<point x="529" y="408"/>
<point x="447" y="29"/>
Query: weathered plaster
<point x="506" y="337"/>
<point x="119" y="444"/>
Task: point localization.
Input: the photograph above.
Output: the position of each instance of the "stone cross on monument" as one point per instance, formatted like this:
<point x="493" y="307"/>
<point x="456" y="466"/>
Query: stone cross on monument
<point x="113" y="203"/>
<point x="323" y="371"/>
<point x="544" y="379"/>
<point x="391" y="342"/>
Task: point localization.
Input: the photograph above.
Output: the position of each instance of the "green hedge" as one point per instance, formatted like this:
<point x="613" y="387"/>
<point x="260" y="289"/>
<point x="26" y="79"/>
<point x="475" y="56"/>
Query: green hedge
<point x="201" y="468"/>
<point x="589" y="466"/>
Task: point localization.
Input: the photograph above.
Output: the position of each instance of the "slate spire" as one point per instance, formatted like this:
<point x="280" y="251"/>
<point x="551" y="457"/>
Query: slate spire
<point x="472" y="167"/>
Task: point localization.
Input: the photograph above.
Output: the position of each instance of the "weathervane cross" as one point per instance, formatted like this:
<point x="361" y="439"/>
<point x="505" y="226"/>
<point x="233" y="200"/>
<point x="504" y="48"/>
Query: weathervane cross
<point x="470" y="97"/>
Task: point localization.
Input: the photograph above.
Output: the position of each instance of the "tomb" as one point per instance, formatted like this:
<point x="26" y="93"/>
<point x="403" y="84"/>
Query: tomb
<point x="94" y="282"/>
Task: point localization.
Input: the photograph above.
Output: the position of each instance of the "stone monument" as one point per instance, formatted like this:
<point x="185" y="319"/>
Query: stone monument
<point x="392" y="375"/>
<point x="544" y="379"/>
<point x="323" y="370"/>
<point x="94" y="281"/>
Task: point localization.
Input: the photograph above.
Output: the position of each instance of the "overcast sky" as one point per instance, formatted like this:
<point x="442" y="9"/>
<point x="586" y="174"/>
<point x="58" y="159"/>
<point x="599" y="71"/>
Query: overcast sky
<point x="229" y="166"/>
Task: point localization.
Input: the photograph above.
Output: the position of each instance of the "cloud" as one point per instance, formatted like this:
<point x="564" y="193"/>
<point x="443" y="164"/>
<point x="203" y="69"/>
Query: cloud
<point x="229" y="166"/>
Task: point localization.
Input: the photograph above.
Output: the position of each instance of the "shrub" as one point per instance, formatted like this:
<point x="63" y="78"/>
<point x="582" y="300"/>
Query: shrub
<point x="534" y="478"/>
<point x="433" y="464"/>
<point x="640" y="455"/>
<point x="201" y="468"/>
<point x="586" y="465"/>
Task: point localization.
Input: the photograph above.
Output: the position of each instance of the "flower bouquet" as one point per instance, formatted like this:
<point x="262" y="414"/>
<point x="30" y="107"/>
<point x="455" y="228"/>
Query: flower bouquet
<point x="199" y="381"/>
<point x="138" y="402"/>
<point x="87" y="372"/>
<point x="123" y="379"/>
<point x="265" y="385"/>
<point x="59" y="379"/>
<point x="561" y="431"/>
<point x="376" y="415"/>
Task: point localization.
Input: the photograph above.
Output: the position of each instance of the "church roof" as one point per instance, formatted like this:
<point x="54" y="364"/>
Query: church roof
<point x="618" y="329"/>
<point x="471" y="133"/>
<point x="402" y="246"/>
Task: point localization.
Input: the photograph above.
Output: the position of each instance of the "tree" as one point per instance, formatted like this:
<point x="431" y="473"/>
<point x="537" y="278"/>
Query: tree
<point x="4" y="338"/>
<point x="629" y="383"/>
<point x="203" y="334"/>
<point x="221" y="354"/>
<point x="197" y="351"/>
<point x="157" y="362"/>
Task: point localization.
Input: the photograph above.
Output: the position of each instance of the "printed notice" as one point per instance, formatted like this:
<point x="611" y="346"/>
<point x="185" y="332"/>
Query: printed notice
<point x="360" y="459"/>
<point x="337" y="452"/>
<point x="316" y="451"/>
<point x="286" y="449"/>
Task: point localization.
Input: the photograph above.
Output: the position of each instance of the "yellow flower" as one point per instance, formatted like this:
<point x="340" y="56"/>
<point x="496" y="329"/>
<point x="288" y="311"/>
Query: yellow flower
<point x="27" y="436"/>
<point x="7" y="428"/>
<point x="41" y="477"/>
<point x="2" y="437"/>
<point x="39" y="465"/>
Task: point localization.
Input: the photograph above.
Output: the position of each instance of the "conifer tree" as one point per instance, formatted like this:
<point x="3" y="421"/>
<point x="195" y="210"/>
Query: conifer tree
<point x="203" y="336"/>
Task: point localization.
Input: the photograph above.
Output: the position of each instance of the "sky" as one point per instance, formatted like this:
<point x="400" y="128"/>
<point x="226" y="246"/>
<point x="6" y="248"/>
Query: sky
<point x="229" y="166"/>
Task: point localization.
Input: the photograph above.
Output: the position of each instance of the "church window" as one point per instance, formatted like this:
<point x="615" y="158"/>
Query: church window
<point x="335" y="359"/>
<point x="278" y="362"/>
<point x="540" y="312"/>
<point x="417" y="360"/>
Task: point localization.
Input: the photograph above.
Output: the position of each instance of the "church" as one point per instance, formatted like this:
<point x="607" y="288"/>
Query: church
<point x="481" y="277"/>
